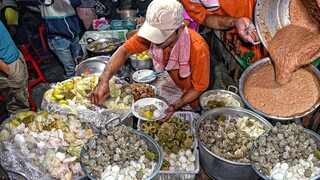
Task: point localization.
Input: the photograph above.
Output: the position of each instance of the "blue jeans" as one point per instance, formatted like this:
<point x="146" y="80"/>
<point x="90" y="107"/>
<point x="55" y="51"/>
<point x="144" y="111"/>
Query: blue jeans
<point x="66" y="50"/>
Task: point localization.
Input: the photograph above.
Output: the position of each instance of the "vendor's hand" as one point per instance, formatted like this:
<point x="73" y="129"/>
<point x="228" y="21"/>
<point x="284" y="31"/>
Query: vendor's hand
<point x="99" y="93"/>
<point x="169" y="113"/>
<point x="243" y="25"/>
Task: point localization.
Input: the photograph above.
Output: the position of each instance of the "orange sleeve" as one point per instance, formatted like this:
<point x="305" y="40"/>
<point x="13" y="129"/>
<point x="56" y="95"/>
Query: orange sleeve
<point x="199" y="64"/>
<point x="197" y="12"/>
<point x="136" y="44"/>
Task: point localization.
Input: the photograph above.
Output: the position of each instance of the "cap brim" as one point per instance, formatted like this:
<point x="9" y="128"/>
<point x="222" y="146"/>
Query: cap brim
<point x="153" y="34"/>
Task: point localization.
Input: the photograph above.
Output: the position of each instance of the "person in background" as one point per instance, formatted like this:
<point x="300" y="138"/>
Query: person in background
<point x="11" y="18"/>
<point x="141" y="6"/>
<point x="189" y="22"/>
<point x="13" y="74"/>
<point x="86" y="12"/>
<point x="62" y="30"/>
<point x="173" y="47"/>
<point x="232" y="15"/>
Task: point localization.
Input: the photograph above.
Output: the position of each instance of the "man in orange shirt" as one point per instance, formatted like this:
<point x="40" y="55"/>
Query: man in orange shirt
<point x="174" y="48"/>
<point x="233" y="15"/>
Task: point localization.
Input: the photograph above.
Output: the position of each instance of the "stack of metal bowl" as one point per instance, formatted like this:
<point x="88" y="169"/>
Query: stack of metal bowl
<point x="221" y="168"/>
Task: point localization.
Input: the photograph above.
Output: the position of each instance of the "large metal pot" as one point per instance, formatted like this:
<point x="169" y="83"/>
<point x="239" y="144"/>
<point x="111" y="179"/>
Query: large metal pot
<point x="102" y="47"/>
<point x="218" y="167"/>
<point x="313" y="135"/>
<point x="269" y="116"/>
<point x="270" y="16"/>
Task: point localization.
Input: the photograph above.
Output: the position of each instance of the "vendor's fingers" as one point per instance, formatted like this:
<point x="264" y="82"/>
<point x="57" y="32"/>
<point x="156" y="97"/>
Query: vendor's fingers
<point x="169" y="112"/>
<point x="243" y="34"/>
<point x="166" y="118"/>
<point x="252" y="32"/>
<point x="93" y="96"/>
<point x="89" y="96"/>
<point x="102" y="99"/>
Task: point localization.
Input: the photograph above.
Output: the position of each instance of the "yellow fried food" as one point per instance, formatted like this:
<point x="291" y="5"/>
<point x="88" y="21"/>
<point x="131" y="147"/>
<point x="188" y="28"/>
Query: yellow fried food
<point x="148" y="114"/>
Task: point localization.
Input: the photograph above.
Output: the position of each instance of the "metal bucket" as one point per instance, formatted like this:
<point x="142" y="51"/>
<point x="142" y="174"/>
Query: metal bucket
<point x="218" y="167"/>
<point x="129" y="16"/>
<point x="269" y="116"/>
<point x="269" y="17"/>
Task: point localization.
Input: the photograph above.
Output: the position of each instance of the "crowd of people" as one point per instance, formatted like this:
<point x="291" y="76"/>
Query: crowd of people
<point x="169" y="33"/>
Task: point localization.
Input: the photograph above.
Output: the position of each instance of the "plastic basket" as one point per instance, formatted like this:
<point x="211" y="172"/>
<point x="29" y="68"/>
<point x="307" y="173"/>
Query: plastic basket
<point x="183" y="175"/>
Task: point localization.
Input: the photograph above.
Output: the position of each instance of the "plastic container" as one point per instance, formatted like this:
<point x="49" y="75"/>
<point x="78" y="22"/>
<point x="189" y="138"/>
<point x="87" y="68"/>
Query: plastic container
<point x="118" y="24"/>
<point x="119" y="34"/>
<point x="182" y="175"/>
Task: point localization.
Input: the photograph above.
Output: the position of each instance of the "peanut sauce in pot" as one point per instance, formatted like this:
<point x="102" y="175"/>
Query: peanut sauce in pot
<point x="296" y="97"/>
<point x="283" y="88"/>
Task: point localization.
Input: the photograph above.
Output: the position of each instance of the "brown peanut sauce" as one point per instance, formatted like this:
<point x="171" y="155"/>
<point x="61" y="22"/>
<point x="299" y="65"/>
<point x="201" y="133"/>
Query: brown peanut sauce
<point x="296" y="97"/>
<point x="294" y="45"/>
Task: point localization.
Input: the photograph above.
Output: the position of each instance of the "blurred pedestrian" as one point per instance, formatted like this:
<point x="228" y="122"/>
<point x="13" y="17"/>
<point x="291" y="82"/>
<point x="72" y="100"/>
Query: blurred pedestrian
<point x="13" y="74"/>
<point x="62" y="30"/>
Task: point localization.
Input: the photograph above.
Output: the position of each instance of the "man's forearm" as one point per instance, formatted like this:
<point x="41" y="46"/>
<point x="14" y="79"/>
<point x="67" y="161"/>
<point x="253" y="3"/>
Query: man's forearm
<point x="219" y="22"/>
<point x="114" y="64"/>
<point x="187" y="98"/>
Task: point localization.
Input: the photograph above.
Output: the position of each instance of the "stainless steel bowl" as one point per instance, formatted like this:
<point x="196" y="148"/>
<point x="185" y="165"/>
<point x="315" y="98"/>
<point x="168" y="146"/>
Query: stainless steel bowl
<point x="92" y="65"/>
<point x="313" y="135"/>
<point x="270" y="116"/>
<point x="270" y="16"/>
<point x="141" y="64"/>
<point x="129" y="16"/>
<point x="153" y="146"/>
<point x="97" y="65"/>
<point x="218" y="167"/>
<point x="221" y="91"/>
<point x="91" y="48"/>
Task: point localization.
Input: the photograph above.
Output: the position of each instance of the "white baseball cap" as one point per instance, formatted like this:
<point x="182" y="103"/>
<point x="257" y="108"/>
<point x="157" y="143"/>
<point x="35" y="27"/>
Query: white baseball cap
<point x="162" y="19"/>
